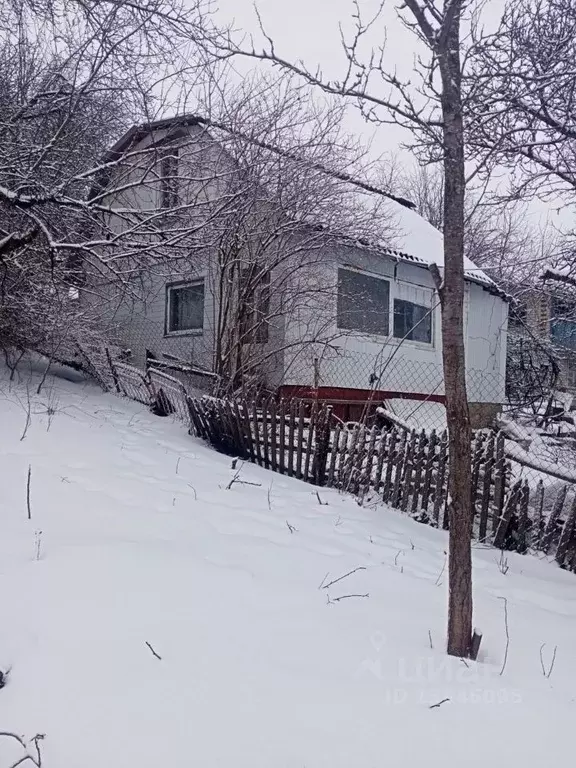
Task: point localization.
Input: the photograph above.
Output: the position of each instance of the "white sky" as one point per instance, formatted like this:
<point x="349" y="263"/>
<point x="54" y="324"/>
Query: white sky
<point x="308" y="30"/>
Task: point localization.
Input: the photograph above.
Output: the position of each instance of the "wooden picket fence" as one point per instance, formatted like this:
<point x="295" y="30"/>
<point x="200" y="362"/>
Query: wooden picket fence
<point x="407" y="470"/>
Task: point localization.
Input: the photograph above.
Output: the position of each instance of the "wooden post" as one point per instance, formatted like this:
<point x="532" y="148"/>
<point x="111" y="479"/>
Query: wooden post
<point x="567" y="534"/>
<point x="522" y="545"/>
<point x="509" y="508"/>
<point x="553" y="519"/>
<point x="429" y="468"/>
<point x="420" y="456"/>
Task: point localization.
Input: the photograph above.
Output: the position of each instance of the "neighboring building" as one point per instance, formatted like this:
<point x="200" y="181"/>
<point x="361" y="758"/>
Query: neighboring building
<point x="337" y="319"/>
<point x="547" y="313"/>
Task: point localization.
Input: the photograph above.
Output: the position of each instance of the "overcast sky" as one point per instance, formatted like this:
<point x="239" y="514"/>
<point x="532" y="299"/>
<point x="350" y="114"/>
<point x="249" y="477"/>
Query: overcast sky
<point x="308" y="30"/>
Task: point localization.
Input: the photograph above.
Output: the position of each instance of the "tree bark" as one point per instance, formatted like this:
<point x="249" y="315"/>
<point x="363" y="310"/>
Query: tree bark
<point x="453" y="352"/>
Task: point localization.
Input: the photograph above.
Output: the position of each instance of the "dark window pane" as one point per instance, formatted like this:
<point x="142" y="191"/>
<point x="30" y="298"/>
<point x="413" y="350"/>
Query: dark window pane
<point x="563" y="323"/>
<point x="186" y="307"/>
<point x="363" y="303"/>
<point x="412" y="321"/>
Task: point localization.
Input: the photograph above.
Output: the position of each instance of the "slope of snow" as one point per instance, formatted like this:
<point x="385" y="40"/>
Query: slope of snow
<point x="136" y="538"/>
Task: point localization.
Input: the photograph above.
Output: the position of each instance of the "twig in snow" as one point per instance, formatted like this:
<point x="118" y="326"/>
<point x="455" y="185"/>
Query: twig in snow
<point x="438" y="704"/>
<point x="270" y="496"/>
<point x="38" y="541"/>
<point x="153" y="651"/>
<point x="345" y="597"/>
<point x="323" y="580"/>
<point x="400" y="552"/>
<point x="549" y="672"/>
<point x="291" y="528"/>
<point x="335" y="581"/>
<point x="234" y="463"/>
<point x="322" y="503"/>
<point x="442" y="571"/>
<point x="234" y="479"/>
<point x="507" y="634"/>
<point x="194" y="489"/>
<point x="178" y="463"/>
<point x="28" y="507"/>
<point x="430" y="639"/>
<point x="28" y="409"/>
<point x="35" y="760"/>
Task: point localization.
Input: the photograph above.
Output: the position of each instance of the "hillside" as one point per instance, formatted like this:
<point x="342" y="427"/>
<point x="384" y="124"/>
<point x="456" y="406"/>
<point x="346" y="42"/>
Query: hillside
<point x="137" y="536"/>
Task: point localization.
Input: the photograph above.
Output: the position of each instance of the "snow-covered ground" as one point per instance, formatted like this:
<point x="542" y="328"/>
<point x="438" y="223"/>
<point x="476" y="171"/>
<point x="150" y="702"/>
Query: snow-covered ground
<point x="136" y="538"/>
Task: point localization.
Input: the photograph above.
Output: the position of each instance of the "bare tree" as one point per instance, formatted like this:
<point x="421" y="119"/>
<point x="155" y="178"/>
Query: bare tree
<point x="72" y="76"/>
<point x="522" y="89"/>
<point x="434" y="113"/>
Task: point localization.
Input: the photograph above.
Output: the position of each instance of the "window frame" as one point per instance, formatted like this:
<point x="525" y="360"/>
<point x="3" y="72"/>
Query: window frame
<point x="395" y="293"/>
<point x="382" y="278"/>
<point x="405" y="338"/>
<point x="179" y="285"/>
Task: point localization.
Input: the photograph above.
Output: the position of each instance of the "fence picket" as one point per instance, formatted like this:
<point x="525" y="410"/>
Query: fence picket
<point x="509" y="508"/>
<point x="380" y="456"/>
<point x="439" y="497"/>
<point x="321" y="445"/>
<point x="389" y="451"/>
<point x="553" y="519"/>
<point x="409" y="468"/>
<point x="399" y="467"/>
<point x="522" y="544"/>
<point x="567" y="534"/>
<point x="418" y="467"/>
<point x="334" y="447"/>
<point x="300" y="440"/>
<point x="257" y="441"/>
<point x="265" y="435"/>
<point x="282" y="438"/>
<point x="291" y="429"/>
<point x="311" y="440"/>
<point x="273" y="436"/>
<point x="429" y="462"/>
<point x="486" y="488"/>
<point x="499" y="482"/>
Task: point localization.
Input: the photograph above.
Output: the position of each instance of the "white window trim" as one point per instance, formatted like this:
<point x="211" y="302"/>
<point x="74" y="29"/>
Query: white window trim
<point x="393" y="294"/>
<point x="169" y="288"/>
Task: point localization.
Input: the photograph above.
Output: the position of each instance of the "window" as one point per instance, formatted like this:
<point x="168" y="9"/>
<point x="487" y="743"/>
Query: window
<point x="185" y="307"/>
<point x="563" y="323"/>
<point x="254" y="306"/>
<point x="363" y="303"/>
<point x="168" y="178"/>
<point x="412" y="321"/>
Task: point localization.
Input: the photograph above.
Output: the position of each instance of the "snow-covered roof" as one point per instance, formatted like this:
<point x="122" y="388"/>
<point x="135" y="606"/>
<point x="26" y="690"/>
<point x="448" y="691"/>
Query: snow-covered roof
<point x="419" y="241"/>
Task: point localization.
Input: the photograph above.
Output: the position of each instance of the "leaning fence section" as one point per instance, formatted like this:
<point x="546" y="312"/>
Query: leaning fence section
<point x="406" y="468"/>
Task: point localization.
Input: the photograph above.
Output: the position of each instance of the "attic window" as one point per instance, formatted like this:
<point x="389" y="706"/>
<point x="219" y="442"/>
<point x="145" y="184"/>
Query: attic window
<point x="169" y="178"/>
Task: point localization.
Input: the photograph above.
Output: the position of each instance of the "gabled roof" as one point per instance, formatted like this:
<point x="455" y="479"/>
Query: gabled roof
<point x="420" y="242"/>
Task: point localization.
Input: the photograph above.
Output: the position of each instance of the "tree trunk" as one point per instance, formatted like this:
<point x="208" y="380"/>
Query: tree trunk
<point x="452" y="304"/>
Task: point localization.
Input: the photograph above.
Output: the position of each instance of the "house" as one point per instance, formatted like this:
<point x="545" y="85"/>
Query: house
<point x="543" y="322"/>
<point x="250" y="296"/>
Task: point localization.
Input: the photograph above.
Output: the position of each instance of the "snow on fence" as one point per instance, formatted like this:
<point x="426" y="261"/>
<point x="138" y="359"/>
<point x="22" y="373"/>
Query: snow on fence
<point x="406" y="469"/>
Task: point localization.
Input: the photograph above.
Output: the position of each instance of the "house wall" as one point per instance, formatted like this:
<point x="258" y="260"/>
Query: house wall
<point x="351" y="360"/>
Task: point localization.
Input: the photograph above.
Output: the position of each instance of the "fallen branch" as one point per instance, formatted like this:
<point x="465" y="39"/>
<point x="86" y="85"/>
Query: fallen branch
<point x="438" y="704"/>
<point x="335" y="581"/>
<point x="291" y="528"/>
<point x="153" y="651"/>
<point x="345" y="597"/>
<point x="322" y="503"/>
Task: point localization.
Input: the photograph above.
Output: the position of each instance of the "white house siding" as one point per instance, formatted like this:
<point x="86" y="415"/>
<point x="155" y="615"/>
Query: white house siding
<point x="354" y="360"/>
